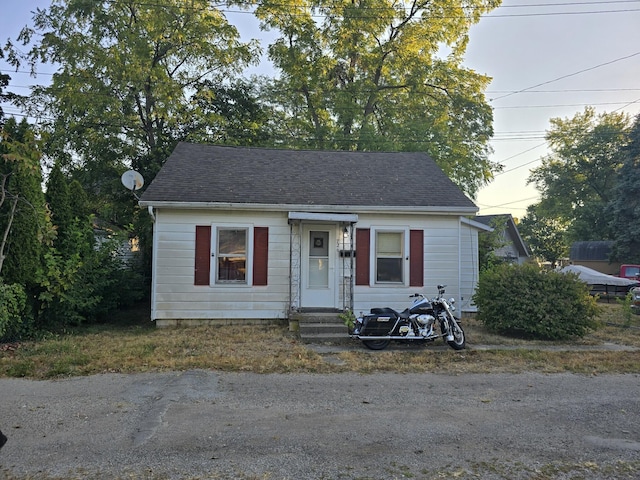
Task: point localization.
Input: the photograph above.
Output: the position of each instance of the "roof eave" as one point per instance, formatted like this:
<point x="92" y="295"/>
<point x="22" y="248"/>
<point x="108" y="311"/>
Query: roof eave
<point x="477" y="225"/>
<point x="408" y="209"/>
<point x="515" y="233"/>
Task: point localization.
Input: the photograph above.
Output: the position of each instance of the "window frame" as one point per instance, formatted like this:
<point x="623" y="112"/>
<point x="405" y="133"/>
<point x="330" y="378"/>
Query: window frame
<point x="404" y="256"/>
<point x="215" y="257"/>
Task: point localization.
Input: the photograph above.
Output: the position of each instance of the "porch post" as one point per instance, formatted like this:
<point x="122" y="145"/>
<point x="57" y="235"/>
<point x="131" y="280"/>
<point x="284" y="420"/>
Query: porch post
<point x="290" y="268"/>
<point x="351" y="266"/>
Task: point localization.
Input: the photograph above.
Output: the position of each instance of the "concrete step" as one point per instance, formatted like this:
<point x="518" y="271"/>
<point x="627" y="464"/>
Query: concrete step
<point x="320" y="327"/>
<point x="334" y="338"/>
<point x="312" y="328"/>
<point x="319" y="317"/>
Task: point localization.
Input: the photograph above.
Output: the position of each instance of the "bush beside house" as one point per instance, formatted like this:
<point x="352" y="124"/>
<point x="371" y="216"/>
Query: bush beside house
<point x="526" y="300"/>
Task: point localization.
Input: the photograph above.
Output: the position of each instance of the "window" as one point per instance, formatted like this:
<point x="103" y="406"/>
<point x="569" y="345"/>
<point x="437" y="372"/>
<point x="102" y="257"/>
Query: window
<point x="389" y="255"/>
<point x="385" y="251"/>
<point x="229" y="254"/>
<point x="232" y="255"/>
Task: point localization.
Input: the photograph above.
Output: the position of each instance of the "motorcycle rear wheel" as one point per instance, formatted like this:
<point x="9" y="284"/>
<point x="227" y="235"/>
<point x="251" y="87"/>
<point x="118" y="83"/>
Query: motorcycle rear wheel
<point x="376" y="344"/>
<point x="458" y="342"/>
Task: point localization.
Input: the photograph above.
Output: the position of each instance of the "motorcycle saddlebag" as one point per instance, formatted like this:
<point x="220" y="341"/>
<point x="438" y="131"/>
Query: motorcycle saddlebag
<point x="377" y="324"/>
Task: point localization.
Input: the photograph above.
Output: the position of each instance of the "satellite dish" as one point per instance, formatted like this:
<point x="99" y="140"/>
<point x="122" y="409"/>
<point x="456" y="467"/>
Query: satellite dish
<point x="132" y="180"/>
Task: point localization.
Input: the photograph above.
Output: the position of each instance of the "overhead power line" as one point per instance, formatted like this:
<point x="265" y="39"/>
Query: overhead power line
<point x="509" y="203"/>
<point x="315" y="13"/>
<point x="567" y="76"/>
<point x="568" y="90"/>
<point x="560" y="105"/>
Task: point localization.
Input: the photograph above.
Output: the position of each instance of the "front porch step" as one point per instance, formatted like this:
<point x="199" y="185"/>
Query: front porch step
<point x="321" y="327"/>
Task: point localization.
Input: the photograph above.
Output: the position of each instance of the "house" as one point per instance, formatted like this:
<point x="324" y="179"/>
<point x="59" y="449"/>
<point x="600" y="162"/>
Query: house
<point x="251" y="234"/>
<point x="594" y="254"/>
<point x="514" y="250"/>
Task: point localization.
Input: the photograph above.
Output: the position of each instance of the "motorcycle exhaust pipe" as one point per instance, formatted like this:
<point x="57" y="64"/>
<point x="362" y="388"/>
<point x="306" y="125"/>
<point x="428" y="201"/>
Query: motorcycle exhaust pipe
<point x="367" y="337"/>
<point x="400" y="337"/>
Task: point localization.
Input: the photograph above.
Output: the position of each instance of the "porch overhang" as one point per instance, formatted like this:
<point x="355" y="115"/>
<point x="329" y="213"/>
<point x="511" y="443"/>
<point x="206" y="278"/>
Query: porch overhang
<point x="346" y="218"/>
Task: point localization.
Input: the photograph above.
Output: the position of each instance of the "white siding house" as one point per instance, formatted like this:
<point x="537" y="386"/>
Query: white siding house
<point x="243" y="234"/>
<point x="513" y="250"/>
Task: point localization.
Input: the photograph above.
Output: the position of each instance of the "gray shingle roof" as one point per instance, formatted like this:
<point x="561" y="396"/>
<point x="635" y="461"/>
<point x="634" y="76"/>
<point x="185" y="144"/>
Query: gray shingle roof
<point x="197" y="173"/>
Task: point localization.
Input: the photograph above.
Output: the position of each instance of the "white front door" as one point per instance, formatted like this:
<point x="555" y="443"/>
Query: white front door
<point x="318" y="267"/>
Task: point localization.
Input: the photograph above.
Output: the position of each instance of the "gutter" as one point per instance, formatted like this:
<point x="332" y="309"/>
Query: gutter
<point x="397" y="209"/>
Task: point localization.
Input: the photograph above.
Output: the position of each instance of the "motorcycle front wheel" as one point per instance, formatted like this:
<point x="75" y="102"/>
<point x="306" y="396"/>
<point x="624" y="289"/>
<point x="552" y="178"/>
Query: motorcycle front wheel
<point x="376" y="344"/>
<point x="458" y="342"/>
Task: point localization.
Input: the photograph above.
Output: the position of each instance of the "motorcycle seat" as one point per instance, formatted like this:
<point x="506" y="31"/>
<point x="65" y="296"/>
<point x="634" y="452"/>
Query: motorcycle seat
<point x="384" y="311"/>
<point x="391" y="312"/>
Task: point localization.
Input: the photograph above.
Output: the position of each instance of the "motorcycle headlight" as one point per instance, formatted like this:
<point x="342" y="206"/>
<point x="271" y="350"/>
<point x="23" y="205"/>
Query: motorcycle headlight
<point x="452" y="301"/>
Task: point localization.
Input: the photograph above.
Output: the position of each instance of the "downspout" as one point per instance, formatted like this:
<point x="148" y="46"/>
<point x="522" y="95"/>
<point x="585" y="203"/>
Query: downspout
<point x="154" y="255"/>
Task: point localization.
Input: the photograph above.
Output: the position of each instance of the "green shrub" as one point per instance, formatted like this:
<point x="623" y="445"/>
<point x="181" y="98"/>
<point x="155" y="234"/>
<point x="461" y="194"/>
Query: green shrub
<point x="525" y="300"/>
<point x="82" y="290"/>
<point x="15" y="314"/>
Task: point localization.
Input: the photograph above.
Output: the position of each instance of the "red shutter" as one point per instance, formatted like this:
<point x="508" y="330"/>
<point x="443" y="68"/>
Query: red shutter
<point x="260" y="255"/>
<point x="416" y="258"/>
<point x="362" y="256"/>
<point x="203" y="255"/>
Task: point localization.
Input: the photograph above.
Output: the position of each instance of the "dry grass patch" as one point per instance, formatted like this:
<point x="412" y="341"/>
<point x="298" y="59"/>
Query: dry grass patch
<point x="494" y="361"/>
<point x="616" y="326"/>
<point x="141" y="347"/>
<point x="126" y="350"/>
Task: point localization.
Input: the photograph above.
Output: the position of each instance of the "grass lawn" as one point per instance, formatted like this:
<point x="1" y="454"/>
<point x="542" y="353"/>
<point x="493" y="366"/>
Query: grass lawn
<point x="131" y="343"/>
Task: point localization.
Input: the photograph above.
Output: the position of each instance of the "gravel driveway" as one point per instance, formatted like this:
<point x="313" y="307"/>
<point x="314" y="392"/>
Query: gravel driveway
<point x="205" y="424"/>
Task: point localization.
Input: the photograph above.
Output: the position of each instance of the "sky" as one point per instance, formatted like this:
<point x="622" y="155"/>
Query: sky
<point x="547" y="59"/>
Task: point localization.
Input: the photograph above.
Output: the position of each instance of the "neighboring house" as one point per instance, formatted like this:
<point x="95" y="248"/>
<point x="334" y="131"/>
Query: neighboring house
<point x="594" y="254"/>
<point x="256" y="234"/>
<point x="514" y="249"/>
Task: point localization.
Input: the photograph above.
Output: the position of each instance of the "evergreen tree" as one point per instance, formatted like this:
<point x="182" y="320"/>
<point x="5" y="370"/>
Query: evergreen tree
<point x="59" y="201"/>
<point x="21" y="162"/>
<point x="81" y="218"/>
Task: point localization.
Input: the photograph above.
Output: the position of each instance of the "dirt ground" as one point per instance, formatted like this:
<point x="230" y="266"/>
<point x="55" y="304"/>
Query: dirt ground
<point x="210" y="425"/>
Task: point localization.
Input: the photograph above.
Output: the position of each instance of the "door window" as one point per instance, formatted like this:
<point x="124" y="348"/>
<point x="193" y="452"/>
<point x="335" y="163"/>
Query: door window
<point x="318" y="259"/>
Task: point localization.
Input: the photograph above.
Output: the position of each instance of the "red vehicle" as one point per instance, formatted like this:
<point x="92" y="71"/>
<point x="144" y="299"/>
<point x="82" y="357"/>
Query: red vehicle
<point x="630" y="271"/>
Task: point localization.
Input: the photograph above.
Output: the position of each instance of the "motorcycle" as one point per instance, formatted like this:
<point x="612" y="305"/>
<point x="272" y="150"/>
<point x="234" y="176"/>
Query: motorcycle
<point x="424" y="321"/>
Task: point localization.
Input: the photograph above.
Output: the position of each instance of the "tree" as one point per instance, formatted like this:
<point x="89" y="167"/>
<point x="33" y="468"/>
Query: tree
<point x="23" y="227"/>
<point x="127" y="70"/>
<point x="82" y="280"/>
<point x="4" y="81"/>
<point x="59" y="201"/>
<point x="546" y="236"/>
<point x="232" y="114"/>
<point x="23" y="222"/>
<point x="625" y="207"/>
<point x="370" y="75"/>
<point x="489" y="242"/>
<point x="577" y="179"/>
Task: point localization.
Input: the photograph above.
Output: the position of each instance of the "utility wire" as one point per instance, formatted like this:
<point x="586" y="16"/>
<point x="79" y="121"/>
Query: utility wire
<point x="567" y="76"/>
<point x="508" y="203"/>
